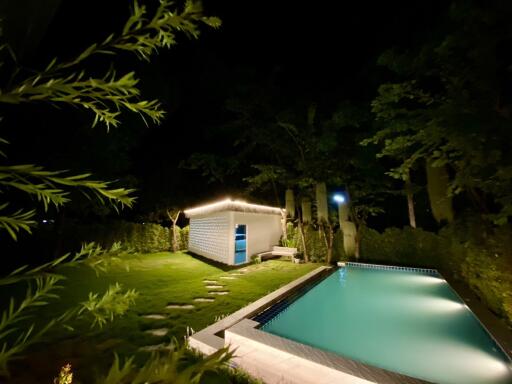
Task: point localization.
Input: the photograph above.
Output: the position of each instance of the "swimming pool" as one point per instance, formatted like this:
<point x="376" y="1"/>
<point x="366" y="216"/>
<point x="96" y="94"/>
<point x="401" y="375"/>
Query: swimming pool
<point x="410" y="322"/>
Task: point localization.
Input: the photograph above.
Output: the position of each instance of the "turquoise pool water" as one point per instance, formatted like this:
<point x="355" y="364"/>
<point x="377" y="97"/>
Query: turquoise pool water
<point x="404" y="322"/>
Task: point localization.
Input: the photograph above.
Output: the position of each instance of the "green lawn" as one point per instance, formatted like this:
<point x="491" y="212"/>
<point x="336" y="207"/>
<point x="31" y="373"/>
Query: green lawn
<point x="161" y="279"/>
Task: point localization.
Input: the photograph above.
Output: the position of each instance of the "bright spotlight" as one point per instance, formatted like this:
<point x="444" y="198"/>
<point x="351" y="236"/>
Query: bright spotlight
<point x="339" y="198"/>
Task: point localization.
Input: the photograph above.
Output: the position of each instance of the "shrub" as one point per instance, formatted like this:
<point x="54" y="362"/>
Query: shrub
<point x="315" y="244"/>
<point x="408" y="246"/>
<point x="255" y="259"/>
<point x="485" y="276"/>
<point x="293" y="237"/>
<point x="147" y="237"/>
<point x="184" y="232"/>
<point x="480" y="256"/>
<point x="485" y="268"/>
<point x="338" y="252"/>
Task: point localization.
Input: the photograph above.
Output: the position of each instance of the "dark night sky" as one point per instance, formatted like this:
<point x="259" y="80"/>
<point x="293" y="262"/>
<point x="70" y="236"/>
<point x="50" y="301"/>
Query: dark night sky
<point x="300" y="53"/>
<point x="310" y="52"/>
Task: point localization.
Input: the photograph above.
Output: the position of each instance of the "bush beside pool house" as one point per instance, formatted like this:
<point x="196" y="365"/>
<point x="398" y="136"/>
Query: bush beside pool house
<point x="232" y="231"/>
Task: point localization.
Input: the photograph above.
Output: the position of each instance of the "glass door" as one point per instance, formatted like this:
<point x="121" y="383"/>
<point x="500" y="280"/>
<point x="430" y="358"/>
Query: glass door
<point x="240" y="244"/>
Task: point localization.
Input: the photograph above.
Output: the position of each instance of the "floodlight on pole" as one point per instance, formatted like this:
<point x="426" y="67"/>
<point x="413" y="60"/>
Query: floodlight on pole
<point x="339" y="198"/>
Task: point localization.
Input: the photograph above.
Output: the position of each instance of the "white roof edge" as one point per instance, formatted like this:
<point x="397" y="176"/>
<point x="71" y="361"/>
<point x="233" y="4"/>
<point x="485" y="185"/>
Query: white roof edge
<point x="231" y="205"/>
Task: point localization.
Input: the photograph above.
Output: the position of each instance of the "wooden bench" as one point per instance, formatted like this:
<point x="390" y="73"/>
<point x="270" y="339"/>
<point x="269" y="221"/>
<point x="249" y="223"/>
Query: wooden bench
<point x="277" y="251"/>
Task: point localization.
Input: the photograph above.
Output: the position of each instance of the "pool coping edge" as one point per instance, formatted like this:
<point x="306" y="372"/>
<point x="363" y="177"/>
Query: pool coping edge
<point x="248" y="329"/>
<point x="214" y="337"/>
<point x="207" y="340"/>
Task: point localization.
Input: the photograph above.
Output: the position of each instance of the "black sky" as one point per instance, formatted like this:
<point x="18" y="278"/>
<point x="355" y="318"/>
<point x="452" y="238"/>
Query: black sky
<point x="321" y="52"/>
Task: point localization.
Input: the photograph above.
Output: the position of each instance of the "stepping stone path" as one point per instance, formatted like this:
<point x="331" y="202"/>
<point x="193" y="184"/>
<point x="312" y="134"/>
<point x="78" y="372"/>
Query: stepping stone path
<point x="204" y="299"/>
<point x="180" y="306"/>
<point x="155" y="316"/>
<point x="236" y="274"/>
<point x="158" y="332"/>
<point x="213" y="286"/>
<point x="228" y="277"/>
<point x="210" y="281"/>
<point x="218" y="292"/>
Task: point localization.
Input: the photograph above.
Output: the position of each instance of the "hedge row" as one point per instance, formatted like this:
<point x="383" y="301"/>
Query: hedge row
<point x="408" y="246"/>
<point x="147" y="237"/>
<point x="480" y="256"/>
<point x="482" y="259"/>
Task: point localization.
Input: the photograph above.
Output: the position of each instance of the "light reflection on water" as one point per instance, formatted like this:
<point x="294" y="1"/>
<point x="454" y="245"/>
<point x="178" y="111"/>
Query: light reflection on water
<point x="404" y="322"/>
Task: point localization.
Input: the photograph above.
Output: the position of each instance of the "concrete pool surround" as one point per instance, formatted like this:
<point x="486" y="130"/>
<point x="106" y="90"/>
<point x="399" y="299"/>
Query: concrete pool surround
<point x="275" y="359"/>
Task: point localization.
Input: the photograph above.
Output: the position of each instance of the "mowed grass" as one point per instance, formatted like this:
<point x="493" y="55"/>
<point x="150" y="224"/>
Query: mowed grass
<point x="160" y="279"/>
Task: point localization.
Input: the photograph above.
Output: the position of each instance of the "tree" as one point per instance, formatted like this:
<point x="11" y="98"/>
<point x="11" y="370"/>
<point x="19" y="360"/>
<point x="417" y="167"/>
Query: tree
<point x="366" y="199"/>
<point x="67" y="83"/>
<point x="448" y="110"/>
<point x="293" y="147"/>
<point x="174" y="215"/>
<point x="325" y="151"/>
<point x="401" y="119"/>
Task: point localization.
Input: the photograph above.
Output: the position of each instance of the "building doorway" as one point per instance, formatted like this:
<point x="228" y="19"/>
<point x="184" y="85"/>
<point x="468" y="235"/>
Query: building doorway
<point x="240" y="243"/>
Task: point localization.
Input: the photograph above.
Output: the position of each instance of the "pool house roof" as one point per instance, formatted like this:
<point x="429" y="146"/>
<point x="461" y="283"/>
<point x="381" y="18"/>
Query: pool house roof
<point x="231" y="205"/>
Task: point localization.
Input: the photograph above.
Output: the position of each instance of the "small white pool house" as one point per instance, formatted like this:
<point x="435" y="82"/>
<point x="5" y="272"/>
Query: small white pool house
<point x="232" y="231"/>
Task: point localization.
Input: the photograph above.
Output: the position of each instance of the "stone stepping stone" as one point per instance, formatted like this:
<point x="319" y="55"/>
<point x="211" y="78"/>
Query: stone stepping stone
<point x="228" y="277"/>
<point x="204" y="299"/>
<point x="210" y="281"/>
<point x="155" y="348"/>
<point x="180" y="306"/>
<point x="213" y="286"/>
<point x="236" y="274"/>
<point x="218" y="292"/>
<point x="158" y="332"/>
<point x="155" y="316"/>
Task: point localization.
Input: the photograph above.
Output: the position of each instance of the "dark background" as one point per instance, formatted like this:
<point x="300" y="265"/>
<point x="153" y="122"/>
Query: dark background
<point x="292" y="53"/>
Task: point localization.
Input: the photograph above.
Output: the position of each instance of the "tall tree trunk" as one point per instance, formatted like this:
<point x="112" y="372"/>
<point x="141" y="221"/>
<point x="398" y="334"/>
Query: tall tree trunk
<point x="347" y="227"/>
<point x="290" y="203"/>
<point x="329" y="241"/>
<point x="303" y="240"/>
<point x="359" y="235"/>
<point x="438" y="182"/>
<point x="410" y="200"/>
<point x="321" y="202"/>
<point x="283" y="226"/>
<point x="343" y="212"/>
<point x="174" y="237"/>
<point x="349" y="238"/>
<point x="174" y="220"/>
<point x="306" y="210"/>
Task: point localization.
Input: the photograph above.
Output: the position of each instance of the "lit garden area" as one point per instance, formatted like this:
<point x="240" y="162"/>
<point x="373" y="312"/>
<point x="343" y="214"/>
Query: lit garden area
<point x="180" y="181"/>
<point x="174" y="292"/>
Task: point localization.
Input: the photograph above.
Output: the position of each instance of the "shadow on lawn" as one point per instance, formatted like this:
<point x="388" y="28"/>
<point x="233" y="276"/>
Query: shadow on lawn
<point x="216" y="264"/>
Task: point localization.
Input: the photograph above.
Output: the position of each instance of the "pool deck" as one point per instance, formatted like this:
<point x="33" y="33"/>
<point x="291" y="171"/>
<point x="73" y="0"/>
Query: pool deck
<point x="274" y="359"/>
<point x="277" y="360"/>
<point x="210" y="339"/>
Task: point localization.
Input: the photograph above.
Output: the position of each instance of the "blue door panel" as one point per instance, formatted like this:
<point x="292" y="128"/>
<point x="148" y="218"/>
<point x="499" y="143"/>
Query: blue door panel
<point x="240" y="243"/>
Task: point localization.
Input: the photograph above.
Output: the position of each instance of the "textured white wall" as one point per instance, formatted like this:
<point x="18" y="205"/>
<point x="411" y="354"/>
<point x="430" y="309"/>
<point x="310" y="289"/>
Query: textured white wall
<point x="213" y="235"/>
<point x="263" y="231"/>
<point x="210" y="237"/>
